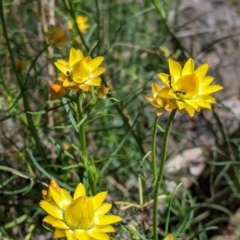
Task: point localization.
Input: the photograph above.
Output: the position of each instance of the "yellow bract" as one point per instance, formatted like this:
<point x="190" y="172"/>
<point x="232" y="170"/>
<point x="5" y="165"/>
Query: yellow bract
<point x="184" y="88"/>
<point x="77" y="217"/>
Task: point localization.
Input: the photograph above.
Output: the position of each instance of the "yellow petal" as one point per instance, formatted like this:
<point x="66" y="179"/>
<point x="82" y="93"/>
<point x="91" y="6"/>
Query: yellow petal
<point x="50" y="219"/>
<point x="210" y="89"/>
<point x="74" y="56"/>
<point x="98" y="72"/>
<point x="52" y="209"/>
<point x="81" y="72"/>
<point x="188" y="67"/>
<point x="207" y="98"/>
<point x="62" y="199"/>
<point x="80" y="213"/>
<point x="192" y="103"/>
<point x="60" y="224"/>
<point x="84" y="87"/>
<point x="98" y="199"/>
<point x="59" y="233"/>
<point x="190" y="110"/>
<point x="82" y="235"/>
<point x="54" y="184"/>
<point x="108" y="229"/>
<point x="155" y="89"/>
<point x="62" y="65"/>
<point x="204" y="104"/>
<point x="164" y="93"/>
<point x="95" y="63"/>
<point x="165" y="78"/>
<point x="172" y="103"/>
<point x="93" y="82"/>
<point x="201" y="71"/>
<point x="98" y="234"/>
<point x="70" y="235"/>
<point x="107" y="219"/>
<point x="67" y="83"/>
<point x="181" y="105"/>
<point x="175" y="69"/>
<point x="150" y="98"/>
<point x="80" y="191"/>
<point x="206" y="81"/>
<point x="103" y="209"/>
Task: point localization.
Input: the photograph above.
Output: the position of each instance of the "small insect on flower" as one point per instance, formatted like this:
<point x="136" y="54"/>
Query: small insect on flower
<point x="77" y="217"/>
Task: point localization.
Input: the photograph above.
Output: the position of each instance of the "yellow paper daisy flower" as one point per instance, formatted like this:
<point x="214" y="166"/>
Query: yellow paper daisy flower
<point x="80" y="72"/>
<point x="82" y="24"/>
<point x="78" y="217"/>
<point x="189" y="87"/>
<point x="161" y="104"/>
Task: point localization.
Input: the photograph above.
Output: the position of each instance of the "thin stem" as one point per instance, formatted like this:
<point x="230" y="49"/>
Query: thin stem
<point x="75" y="23"/>
<point x="160" y="173"/>
<point x="81" y="131"/>
<point x="90" y="169"/>
<point x="153" y="152"/>
<point x="98" y="26"/>
<point x="23" y="90"/>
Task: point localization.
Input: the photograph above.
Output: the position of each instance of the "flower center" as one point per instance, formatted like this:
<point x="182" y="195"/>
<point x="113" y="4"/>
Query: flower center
<point x="80" y="213"/>
<point x="187" y="87"/>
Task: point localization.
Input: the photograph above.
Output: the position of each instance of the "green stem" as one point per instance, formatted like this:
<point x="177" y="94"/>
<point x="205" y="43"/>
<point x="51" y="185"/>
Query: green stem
<point x="153" y="152"/>
<point x="98" y="26"/>
<point x="22" y="88"/>
<point x="160" y="173"/>
<point x="90" y="169"/>
<point x="75" y="23"/>
<point x="81" y="131"/>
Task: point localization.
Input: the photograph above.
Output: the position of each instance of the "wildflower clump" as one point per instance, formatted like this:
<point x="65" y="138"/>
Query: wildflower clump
<point x="184" y="88"/>
<point x="77" y="217"/>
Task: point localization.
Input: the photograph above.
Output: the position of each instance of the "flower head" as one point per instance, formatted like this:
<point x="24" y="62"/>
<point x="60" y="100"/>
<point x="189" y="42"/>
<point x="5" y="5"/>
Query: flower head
<point x="161" y="104"/>
<point x="77" y="217"/>
<point x="81" y="22"/>
<point x="56" y="37"/>
<point x="190" y="88"/>
<point x="80" y="72"/>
